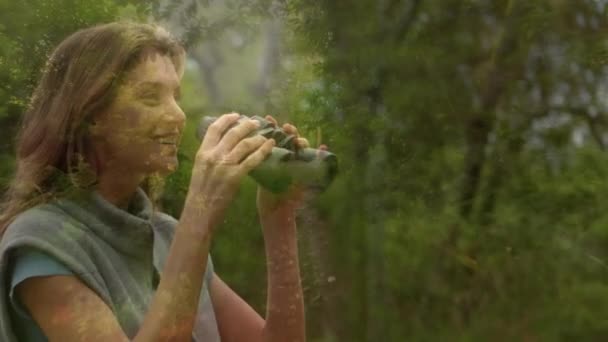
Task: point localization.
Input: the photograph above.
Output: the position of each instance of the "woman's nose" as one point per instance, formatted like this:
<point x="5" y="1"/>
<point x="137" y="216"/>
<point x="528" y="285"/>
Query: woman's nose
<point x="175" y="116"/>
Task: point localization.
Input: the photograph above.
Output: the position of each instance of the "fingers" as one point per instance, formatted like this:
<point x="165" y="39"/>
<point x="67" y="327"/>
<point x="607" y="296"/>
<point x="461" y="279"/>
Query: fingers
<point x="302" y="143"/>
<point x="236" y="134"/>
<point x="233" y="142"/>
<point x="245" y="147"/>
<point x="217" y="128"/>
<point x="290" y="129"/>
<point x="254" y="159"/>
<point x="272" y="120"/>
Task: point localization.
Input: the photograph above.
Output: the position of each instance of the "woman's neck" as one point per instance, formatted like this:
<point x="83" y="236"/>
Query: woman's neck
<point x="118" y="188"/>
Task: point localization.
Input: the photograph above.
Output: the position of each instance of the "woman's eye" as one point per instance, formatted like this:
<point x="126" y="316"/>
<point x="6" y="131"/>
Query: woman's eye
<point x="150" y="98"/>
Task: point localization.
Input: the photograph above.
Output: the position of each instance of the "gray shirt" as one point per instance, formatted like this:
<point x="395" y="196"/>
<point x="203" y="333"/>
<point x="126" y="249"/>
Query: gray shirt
<point x="116" y="253"/>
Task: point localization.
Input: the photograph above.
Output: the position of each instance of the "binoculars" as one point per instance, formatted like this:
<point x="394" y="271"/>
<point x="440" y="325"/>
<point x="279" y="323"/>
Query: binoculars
<point x="287" y="164"/>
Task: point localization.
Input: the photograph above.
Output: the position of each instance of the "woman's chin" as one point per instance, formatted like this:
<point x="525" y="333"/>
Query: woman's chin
<point x="163" y="167"/>
<point x="168" y="169"/>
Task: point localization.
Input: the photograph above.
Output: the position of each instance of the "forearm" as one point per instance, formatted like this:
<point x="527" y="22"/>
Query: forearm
<point x="173" y="309"/>
<point x="285" y="319"/>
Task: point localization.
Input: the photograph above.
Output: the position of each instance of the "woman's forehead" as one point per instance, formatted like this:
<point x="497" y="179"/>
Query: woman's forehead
<point x="154" y="67"/>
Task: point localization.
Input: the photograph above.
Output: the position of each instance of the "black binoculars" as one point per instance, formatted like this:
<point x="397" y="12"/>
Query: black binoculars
<point x="287" y="164"/>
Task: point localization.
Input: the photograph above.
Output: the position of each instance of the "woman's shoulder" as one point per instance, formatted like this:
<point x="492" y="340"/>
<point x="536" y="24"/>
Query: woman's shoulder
<point x="41" y="220"/>
<point x="163" y="218"/>
<point x="164" y="224"/>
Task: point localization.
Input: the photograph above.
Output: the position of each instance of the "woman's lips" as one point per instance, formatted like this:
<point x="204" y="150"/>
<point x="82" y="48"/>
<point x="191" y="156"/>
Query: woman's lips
<point x="167" y="139"/>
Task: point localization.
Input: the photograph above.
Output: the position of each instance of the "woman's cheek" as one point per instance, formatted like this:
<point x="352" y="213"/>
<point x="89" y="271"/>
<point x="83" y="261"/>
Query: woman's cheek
<point x="139" y="123"/>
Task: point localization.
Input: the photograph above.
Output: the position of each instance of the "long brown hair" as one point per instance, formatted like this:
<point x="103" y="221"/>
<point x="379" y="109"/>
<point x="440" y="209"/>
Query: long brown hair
<point x="79" y="80"/>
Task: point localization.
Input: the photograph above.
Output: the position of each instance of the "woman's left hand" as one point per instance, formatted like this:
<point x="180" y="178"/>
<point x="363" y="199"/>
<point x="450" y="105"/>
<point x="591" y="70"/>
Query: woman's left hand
<point x="281" y="206"/>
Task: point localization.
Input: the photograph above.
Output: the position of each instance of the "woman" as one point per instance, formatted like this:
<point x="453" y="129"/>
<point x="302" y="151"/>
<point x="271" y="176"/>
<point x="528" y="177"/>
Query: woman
<point x="84" y="256"/>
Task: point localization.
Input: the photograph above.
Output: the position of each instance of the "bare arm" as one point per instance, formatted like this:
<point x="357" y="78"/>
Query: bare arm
<point x="285" y="320"/>
<point x="238" y="322"/>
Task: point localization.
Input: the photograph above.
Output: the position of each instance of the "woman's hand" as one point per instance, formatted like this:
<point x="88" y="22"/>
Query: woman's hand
<point x="224" y="157"/>
<point x="282" y="206"/>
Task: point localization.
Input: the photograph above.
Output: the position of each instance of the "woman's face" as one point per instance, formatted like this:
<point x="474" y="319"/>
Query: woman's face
<point x="140" y="131"/>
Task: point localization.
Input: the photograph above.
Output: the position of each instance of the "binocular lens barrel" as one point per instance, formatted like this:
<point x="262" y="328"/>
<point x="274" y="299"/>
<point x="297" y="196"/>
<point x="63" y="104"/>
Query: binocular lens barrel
<point x="286" y="164"/>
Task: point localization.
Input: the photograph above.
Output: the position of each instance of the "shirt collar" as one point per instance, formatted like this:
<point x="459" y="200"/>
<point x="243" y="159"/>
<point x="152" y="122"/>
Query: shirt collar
<point x="128" y="231"/>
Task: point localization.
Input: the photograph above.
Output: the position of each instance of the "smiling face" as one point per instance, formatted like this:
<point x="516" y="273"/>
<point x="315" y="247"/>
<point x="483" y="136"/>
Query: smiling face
<point x="141" y="129"/>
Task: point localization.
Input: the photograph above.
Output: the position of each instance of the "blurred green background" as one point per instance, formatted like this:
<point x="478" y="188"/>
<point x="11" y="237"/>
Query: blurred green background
<point x="471" y="136"/>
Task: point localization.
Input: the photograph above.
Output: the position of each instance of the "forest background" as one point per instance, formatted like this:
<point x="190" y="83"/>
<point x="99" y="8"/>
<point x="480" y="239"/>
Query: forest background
<point x="471" y="136"/>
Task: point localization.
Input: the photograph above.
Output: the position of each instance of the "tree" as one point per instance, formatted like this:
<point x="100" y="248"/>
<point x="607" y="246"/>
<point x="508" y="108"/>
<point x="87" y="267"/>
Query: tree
<point x="458" y="123"/>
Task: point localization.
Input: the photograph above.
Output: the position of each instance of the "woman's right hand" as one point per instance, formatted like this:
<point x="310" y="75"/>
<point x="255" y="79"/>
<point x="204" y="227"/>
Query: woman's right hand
<point x="224" y="157"/>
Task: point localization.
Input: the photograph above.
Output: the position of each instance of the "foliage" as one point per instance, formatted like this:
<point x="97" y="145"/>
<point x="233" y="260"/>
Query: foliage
<point x="471" y="136"/>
